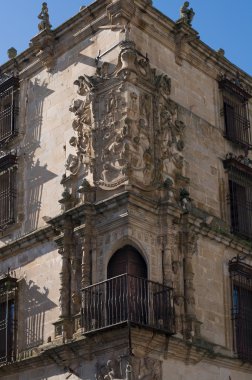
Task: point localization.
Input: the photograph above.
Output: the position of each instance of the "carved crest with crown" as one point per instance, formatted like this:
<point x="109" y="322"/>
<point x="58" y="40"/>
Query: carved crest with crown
<point x="126" y="127"/>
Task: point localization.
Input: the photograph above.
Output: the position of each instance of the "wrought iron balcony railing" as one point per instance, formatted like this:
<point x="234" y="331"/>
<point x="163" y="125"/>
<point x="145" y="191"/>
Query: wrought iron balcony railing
<point x="127" y="299"/>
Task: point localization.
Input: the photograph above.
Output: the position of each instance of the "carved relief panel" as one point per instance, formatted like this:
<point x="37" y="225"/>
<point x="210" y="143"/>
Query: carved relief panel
<point x="124" y="138"/>
<point x="125" y="127"/>
<point x="170" y="130"/>
<point x="80" y="153"/>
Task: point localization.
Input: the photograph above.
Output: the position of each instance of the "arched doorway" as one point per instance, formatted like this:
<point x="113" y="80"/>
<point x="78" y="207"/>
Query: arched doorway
<point x="127" y="287"/>
<point x="127" y="260"/>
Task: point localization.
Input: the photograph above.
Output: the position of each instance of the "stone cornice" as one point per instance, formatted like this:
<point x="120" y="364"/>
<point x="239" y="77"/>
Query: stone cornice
<point x="36" y="237"/>
<point x="207" y="60"/>
<point x="197" y="219"/>
<point x="218" y="232"/>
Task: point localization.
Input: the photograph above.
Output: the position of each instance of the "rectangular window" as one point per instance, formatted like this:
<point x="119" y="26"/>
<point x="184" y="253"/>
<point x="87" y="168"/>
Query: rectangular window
<point x="241" y="207"/>
<point x="7" y="190"/>
<point x="8" y="108"/>
<point x="240" y="197"/>
<point x="241" y="286"/>
<point x="8" y="291"/>
<point x="235" y="112"/>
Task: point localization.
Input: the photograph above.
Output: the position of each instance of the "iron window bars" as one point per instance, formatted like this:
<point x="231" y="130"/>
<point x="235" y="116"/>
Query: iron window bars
<point x="241" y="288"/>
<point x="8" y="108"/>
<point x="235" y="111"/>
<point x="240" y="195"/>
<point x="8" y="325"/>
<point x="8" y="165"/>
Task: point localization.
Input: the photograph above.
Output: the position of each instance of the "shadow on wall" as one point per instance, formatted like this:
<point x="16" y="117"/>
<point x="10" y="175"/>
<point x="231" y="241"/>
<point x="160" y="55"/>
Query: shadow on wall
<point x="75" y="57"/>
<point x="37" y="175"/>
<point x="33" y="305"/>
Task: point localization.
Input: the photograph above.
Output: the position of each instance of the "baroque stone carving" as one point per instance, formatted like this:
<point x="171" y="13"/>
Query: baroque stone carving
<point x="126" y="128"/>
<point x="81" y="141"/>
<point x="124" y="136"/>
<point x="130" y="368"/>
<point x="171" y="131"/>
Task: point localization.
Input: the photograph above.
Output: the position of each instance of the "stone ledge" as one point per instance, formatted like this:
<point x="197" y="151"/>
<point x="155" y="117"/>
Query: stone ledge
<point x="144" y="342"/>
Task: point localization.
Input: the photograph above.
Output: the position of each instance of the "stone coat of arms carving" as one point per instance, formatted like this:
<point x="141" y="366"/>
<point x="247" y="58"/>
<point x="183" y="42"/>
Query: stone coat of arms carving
<point x="126" y="128"/>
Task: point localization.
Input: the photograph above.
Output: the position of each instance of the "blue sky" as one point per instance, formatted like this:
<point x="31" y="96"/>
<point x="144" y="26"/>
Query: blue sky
<point x="221" y="23"/>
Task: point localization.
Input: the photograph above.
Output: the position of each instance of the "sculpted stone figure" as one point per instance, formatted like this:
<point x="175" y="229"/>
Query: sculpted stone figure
<point x="135" y="369"/>
<point x="44" y="17"/>
<point x="73" y="164"/>
<point x="186" y="13"/>
<point x="109" y="371"/>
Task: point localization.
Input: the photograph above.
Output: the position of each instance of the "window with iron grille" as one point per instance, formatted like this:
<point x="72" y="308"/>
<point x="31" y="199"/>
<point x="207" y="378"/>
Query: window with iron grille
<point x="240" y="195"/>
<point x="8" y="323"/>
<point x="8" y="165"/>
<point x="235" y="112"/>
<point x="8" y="108"/>
<point x="241" y="287"/>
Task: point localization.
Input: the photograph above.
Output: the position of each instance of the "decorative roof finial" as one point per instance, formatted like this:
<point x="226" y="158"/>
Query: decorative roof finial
<point x="12" y="53"/>
<point x="44" y="16"/>
<point x="186" y="13"/>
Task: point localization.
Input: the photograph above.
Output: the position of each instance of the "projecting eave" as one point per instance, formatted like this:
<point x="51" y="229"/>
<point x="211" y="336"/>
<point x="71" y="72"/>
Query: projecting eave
<point x="144" y="17"/>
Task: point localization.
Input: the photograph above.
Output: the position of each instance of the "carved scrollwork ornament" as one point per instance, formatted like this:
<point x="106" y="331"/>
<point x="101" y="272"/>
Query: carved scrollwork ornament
<point x="80" y="144"/>
<point x="170" y="132"/>
<point x="125" y="127"/>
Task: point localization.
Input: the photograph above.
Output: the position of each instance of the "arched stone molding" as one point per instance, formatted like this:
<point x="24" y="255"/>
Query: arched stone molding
<point x="120" y="243"/>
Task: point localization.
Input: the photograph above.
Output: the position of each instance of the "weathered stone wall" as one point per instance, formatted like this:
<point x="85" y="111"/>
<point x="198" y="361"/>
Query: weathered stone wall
<point x="37" y="270"/>
<point x="193" y="261"/>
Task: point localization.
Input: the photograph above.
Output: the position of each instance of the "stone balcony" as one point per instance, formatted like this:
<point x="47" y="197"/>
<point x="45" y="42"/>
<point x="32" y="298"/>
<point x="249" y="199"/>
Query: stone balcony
<point x="126" y="299"/>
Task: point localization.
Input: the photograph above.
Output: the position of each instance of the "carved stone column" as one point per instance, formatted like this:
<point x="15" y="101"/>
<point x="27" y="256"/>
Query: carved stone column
<point x="167" y="262"/>
<point x="75" y="259"/>
<point x="86" y="278"/>
<point x="177" y="275"/>
<point x="65" y="277"/>
<point x="188" y="247"/>
<point x="64" y="284"/>
<point x="189" y="241"/>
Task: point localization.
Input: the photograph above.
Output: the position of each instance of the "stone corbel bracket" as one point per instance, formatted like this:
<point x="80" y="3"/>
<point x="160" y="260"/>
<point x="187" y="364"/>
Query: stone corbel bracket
<point x="183" y="35"/>
<point x="119" y="9"/>
<point x="44" y="44"/>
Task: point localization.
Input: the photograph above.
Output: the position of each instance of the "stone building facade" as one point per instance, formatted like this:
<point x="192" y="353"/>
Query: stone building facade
<point x="125" y="202"/>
